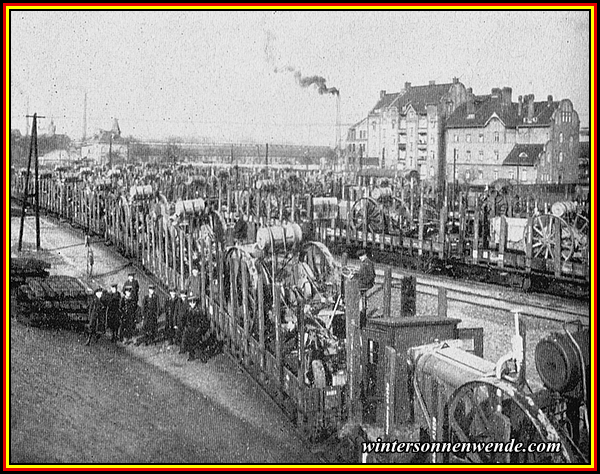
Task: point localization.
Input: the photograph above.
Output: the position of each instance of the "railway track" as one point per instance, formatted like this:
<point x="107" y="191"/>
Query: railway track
<point x="537" y="306"/>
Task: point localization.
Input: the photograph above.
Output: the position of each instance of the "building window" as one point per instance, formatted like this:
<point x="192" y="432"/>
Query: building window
<point x="560" y="157"/>
<point x="481" y="174"/>
<point x="467" y="174"/>
<point x="495" y="174"/>
<point x="456" y="137"/>
<point x="496" y="137"/>
<point x="496" y="155"/>
<point x="431" y="171"/>
<point x="468" y="138"/>
<point x="432" y="155"/>
<point x="481" y="155"/>
<point x="468" y="155"/>
<point x="374" y="124"/>
<point x="524" y="175"/>
<point x="561" y="137"/>
<point x="571" y="142"/>
<point x="481" y="138"/>
<point x="511" y="175"/>
<point x="548" y="157"/>
<point x="393" y="124"/>
<point x="432" y="139"/>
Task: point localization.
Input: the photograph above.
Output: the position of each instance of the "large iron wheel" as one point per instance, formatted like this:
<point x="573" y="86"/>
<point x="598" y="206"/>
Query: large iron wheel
<point x="367" y="209"/>
<point x="494" y="411"/>
<point x="545" y="228"/>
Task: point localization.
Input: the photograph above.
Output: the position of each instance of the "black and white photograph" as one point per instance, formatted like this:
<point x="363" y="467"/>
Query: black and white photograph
<point x="299" y="236"/>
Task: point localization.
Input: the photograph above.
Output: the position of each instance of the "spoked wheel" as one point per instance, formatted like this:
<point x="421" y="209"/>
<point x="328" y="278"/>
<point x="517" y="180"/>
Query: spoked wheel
<point x="494" y="411"/>
<point x="545" y="228"/>
<point x="367" y="209"/>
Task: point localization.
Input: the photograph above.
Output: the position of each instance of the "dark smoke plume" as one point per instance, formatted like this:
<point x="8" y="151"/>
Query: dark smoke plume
<point x="318" y="81"/>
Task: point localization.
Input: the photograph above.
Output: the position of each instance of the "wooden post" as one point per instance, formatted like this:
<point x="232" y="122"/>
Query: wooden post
<point x="442" y="309"/>
<point x="387" y="292"/>
<point x="503" y="232"/>
<point x="293" y="214"/>
<point x="301" y="336"/>
<point x="221" y="310"/>
<point x="390" y="389"/>
<point x="462" y="226"/>
<point x="353" y="352"/>
<point x="203" y="304"/>
<point x="261" y="324"/>
<point x="528" y="244"/>
<point x="364" y="226"/>
<point x="277" y="316"/>
<point x="233" y="304"/>
<point x="442" y="234"/>
<point x="557" y="249"/>
<point x="245" y="314"/>
<point x="181" y="260"/>
<point x="189" y="247"/>
<point x="421" y="226"/>
<point x="475" y="250"/>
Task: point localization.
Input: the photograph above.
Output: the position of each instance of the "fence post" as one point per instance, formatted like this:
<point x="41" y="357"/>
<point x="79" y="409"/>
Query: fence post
<point x="277" y="316"/>
<point x="261" y="325"/>
<point x="353" y="352"/>
<point x="245" y="314"/>
<point x="390" y="389"/>
<point x="503" y="231"/>
<point x="557" y="249"/>
<point x="387" y="293"/>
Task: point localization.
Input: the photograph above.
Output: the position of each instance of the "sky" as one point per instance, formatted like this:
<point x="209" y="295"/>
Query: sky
<point x="237" y="75"/>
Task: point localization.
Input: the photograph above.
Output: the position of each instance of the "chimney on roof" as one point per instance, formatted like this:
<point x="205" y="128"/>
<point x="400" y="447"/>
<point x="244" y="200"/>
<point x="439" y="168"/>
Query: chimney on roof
<point x="407" y="85"/>
<point x="496" y="93"/>
<point x="432" y="83"/>
<point x="550" y="99"/>
<point x="382" y="94"/>
<point x="520" y="111"/>
<point x="470" y="102"/>
<point x="530" y="107"/>
<point x="506" y="97"/>
<point x="455" y="80"/>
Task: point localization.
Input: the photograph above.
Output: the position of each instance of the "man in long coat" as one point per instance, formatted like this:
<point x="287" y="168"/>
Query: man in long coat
<point x="150" y="313"/>
<point x="113" y="310"/>
<point x="129" y="312"/>
<point x="97" y="314"/>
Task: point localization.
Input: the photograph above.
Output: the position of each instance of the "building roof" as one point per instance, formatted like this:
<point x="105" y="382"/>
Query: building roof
<point x="486" y="106"/>
<point x="417" y="96"/>
<point x="523" y="155"/>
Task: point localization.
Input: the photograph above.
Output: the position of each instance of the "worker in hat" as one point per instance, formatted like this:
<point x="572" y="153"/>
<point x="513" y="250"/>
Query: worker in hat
<point x="170" y="310"/>
<point x="193" y="284"/>
<point x="134" y="285"/>
<point x="113" y="309"/>
<point x="366" y="280"/>
<point x="129" y="311"/>
<point x="150" y="313"/>
<point x="181" y="316"/>
<point x="96" y="315"/>
<point x="240" y="229"/>
<point x="196" y="331"/>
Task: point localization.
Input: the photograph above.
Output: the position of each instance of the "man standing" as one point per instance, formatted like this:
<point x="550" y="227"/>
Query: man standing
<point x="113" y="308"/>
<point x="366" y="279"/>
<point x="97" y="313"/>
<point x="195" y="331"/>
<point x="129" y="311"/>
<point x="240" y="230"/>
<point x="170" y="311"/>
<point x="193" y="283"/>
<point x="181" y="316"/>
<point x="134" y="285"/>
<point x="150" y="312"/>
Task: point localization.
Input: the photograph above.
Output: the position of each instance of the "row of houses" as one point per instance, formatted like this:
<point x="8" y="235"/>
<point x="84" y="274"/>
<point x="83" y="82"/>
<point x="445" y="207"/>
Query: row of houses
<point x="447" y="133"/>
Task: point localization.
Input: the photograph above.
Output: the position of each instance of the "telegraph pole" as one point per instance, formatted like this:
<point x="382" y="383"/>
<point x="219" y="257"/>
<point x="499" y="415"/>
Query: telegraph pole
<point x="33" y="151"/>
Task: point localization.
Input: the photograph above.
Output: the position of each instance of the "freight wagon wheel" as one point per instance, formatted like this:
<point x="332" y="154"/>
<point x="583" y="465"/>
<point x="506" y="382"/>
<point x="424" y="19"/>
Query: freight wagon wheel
<point x="367" y="209"/>
<point x="494" y="411"/>
<point x="545" y="228"/>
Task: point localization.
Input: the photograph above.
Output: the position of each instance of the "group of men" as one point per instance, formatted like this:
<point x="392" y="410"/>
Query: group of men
<point x="186" y="324"/>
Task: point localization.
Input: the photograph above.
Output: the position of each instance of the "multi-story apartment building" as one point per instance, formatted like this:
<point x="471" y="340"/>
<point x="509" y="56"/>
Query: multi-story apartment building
<point x="405" y="130"/>
<point x="490" y="137"/>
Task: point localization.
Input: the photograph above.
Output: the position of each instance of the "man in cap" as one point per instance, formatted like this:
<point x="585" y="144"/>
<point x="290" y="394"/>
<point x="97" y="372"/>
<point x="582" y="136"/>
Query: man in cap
<point x="181" y="316"/>
<point x="366" y="279"/>
<point x="196" y="330"/>
<point x="150" y="312"/>
<point x="193" y="283"/>
<point x="170" y="310"/>
<point x="129" y="311"/>
<point x="97" y="313"/>
<point x="134" y="285"/>
<point x="240" y="229"/>
<point x="113" y="309"/>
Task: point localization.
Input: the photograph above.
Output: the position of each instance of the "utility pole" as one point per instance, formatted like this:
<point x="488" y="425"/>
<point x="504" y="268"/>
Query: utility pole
<point x="33" y="151"/>
<point x="454" y="185"/>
